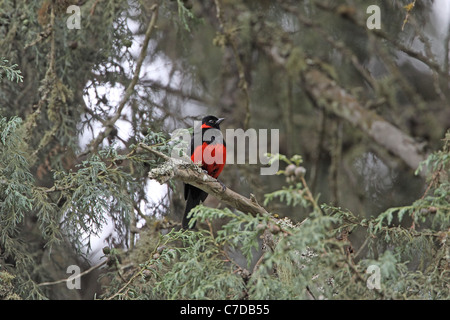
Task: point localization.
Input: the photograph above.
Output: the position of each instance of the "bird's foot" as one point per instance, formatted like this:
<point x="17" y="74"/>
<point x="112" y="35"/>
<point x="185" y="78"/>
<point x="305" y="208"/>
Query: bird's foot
<point x="224" y="187"/>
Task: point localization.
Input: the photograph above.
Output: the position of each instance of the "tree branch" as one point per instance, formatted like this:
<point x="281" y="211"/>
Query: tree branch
<point x="326" y="93"/>
<point x="388" y="37"/>
<point x="335" y="99"/>
<point x="188" y="172"/>
<point x="109" y="125"/>
<point x="74" y="277"/>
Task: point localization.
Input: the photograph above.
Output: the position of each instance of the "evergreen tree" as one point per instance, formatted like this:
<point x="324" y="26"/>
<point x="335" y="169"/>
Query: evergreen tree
<point x="86" y="122"/>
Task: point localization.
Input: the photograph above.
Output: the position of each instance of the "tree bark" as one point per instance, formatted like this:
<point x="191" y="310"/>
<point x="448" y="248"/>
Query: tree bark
<point x="338" y="101"/>
<point x="335" y="99"/>
<point x="189" y="173"/>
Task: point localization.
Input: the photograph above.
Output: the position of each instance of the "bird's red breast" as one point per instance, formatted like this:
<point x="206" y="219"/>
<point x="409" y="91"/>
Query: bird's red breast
<point x="212" y="157"/>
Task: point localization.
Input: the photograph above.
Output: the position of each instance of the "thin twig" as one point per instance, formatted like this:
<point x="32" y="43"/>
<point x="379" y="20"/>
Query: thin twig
<point x="74" y="277"/>
<point x="109" y="125"/>
<point x="309" y="196"/>
<point x="135" y="275"/>
<point x="388" y="37"/>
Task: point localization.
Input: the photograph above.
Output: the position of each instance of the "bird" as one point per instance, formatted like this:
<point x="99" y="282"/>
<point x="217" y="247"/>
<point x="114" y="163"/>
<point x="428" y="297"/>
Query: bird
<point x="210" y="154"/>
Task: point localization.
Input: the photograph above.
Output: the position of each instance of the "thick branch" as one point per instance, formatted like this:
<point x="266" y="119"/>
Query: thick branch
<point x="189" y="173"/>
<point x="335" y="99"/>
<point x="329" y="95"/>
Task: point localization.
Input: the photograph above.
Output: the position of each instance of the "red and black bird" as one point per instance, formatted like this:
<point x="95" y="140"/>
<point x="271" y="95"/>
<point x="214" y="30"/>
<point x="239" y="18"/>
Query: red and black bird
<point x="210" y="153"/>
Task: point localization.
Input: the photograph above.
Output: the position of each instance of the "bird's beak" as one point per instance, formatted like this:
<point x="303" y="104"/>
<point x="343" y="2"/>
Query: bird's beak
<point x="219" y="121"/>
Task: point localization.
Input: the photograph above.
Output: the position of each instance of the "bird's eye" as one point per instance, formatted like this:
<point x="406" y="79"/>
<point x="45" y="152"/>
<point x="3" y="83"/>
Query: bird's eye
<point x="210" y="121"/>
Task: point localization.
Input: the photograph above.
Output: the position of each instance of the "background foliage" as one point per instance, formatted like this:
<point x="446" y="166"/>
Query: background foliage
<point x="75" y="103"/>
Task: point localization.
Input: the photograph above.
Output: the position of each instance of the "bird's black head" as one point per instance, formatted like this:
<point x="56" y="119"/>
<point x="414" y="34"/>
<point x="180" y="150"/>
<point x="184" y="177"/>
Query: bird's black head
<point x="211" y="122"/>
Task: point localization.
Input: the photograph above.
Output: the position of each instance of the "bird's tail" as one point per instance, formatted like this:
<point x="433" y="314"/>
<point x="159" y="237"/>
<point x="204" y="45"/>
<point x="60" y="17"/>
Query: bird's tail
<point x="191" y="203"/>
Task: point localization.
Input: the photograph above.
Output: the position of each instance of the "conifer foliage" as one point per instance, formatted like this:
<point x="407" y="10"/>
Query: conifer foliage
<point x="360" y="208"/>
